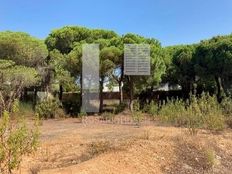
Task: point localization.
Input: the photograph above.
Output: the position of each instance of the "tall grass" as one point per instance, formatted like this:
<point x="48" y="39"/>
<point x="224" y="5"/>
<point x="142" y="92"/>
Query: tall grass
<point x="152" y="109"/>
<point x="227" y="110"/>
<point x="173" y="111"/>
<point x="198" y="112"/>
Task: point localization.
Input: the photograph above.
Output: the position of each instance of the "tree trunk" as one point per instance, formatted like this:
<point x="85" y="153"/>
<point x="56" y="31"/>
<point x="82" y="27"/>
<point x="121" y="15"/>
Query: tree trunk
<point x="219" y="88"/>
<point x="61" y="93"/>
<point x="120" y="92"/>
<point x="131" y="86"/>
<point x="81" y="91"/>
<point x="101" y="95"/>
<point x="34" y="98"/>
<point x="24" y="95"/>
<point x="120" y="81"/>
<point x="187" y="90"/>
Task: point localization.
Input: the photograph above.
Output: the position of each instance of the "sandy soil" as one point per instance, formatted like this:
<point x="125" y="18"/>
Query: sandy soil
<point x="70" y="147"/>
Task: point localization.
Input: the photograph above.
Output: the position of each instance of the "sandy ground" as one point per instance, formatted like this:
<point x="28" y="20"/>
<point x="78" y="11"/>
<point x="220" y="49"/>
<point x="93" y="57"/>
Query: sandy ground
<point x="70" y="147"/>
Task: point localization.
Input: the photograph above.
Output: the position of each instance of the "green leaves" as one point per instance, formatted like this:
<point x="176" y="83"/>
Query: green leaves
<point x="13" y="79"/>
<point x="22" y="48"/>
<point x="16" y="140"/>
<point x="109" y="56"/>
<point x="14" y="74"/>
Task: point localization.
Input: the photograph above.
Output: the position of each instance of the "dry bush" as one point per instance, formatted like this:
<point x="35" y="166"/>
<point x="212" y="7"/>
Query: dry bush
<point x="202" y="112"/>
<point x="99" y="147"/>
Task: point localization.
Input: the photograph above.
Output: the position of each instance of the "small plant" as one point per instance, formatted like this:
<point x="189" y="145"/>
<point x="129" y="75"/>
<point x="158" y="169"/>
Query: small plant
<point x="193" y="116"/>
<point x="82" y="115"/>
<point x="136" y="106"/>
<point x="119" y="108"/>
<point x="60" y="113"/>
<point x="47" y="108"/>
<point x="16" y="140"/>
<point x="210" y="161"/>
<point x="137" y="117"/>
<point x="96" y="148"/>
<point x="151" y="109"/>
<point x="15" y="107"/>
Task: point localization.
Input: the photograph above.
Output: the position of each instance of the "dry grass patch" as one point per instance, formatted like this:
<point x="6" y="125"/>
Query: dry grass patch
<point x="194" y="154"/>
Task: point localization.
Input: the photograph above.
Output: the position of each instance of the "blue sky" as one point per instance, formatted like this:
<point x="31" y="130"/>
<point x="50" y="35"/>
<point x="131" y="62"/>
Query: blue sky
<point x="170" y="21"/>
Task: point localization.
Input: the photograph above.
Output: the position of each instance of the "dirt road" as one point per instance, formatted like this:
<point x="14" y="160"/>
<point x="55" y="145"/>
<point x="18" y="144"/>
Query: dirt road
<point x="70" y="147"/>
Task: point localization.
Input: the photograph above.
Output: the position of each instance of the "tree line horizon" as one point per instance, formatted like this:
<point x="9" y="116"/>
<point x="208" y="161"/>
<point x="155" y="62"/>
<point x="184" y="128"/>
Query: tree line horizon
<point x="204" y="66"/>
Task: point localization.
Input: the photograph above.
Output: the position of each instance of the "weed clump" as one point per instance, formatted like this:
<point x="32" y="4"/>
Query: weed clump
<point x="47" y="108"/>
<point x="137" y="115"/>
<point x="152" y="109"/>
<point x="16" y="140"/>
<point x="203" y="112"/>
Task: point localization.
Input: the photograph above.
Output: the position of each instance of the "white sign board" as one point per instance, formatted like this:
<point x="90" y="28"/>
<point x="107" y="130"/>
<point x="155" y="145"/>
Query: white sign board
<point x="137" y="59"/>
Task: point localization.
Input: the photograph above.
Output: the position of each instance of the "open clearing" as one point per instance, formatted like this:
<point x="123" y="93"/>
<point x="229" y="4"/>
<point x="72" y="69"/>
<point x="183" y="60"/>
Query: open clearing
<point x="70" y="147"/>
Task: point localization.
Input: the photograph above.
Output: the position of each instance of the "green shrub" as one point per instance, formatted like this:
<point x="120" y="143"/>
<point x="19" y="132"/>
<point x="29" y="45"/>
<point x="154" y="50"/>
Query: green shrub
<point x="47" y="108"/>
<point x="71" y="103"/>
<point x="82" y="115"/>
<point x="229" y="122"/>
<point x="209" y="159"/>
<point x="15" y="106"/>
<point x="136" y="105"/>
<point x="211" y="111"/>
<point x="137" y="115"/>
<point x="119" y="108"/>
<point x="193" y="117"/>
<point x="215" y="122"/>
<point x="173" y="112"/>
<point x="16" y="140"/>
<point x="226" y="106"/>
<point x="151" y="108"/>
<point x="146" y="108"/>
